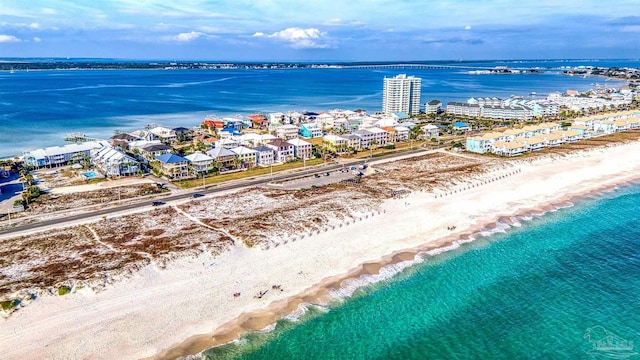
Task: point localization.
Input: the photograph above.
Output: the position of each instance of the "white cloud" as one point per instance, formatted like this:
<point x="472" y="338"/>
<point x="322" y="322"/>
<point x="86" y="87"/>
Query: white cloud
<point x="468" y="27"/>
<point x="186" y="37"/>
<point x="8" y="39"/>
<point x="299" y="38"/>
<point x="34" y="25"/>
<point x="631" y="28"/>
<point x="37" y="39"/>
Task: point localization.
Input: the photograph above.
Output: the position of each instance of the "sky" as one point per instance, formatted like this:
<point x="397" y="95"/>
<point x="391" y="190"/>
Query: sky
<point x="320" y="30"/>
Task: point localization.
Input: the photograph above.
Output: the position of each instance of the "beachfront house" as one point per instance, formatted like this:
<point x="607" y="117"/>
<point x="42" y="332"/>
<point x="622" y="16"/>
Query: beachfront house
<point x="166" y="135"/>
<point x="571" y="136"/>
<point x="554" y="139"/>
<point x="582" y="130"/>
<point x="113" y="162"/>
<point x="264" y="155"/>
<point x="287" y="132"/>
<point x="223" y="158"/>
<point x="301" y="149"/>
<point x="533" y="143"/>
<point x="175" y="167"/>
<point x="508" y="148"/>
<point x="122" y="140"/>
<point x="433" y="107"/>
<point x="335" y="143"/>
<point x="61" y="155"/>
<point x="605" y="127"/>
<point x="391" y="134"/>
<point x="325" y="121"/>
<point x="353" y="141"/>
<point x="366" y="137"/>
<point x="309" y="131"/>
<point x="483" y="144"/>
<point x="227" y="143"/>
<point x="150" y="151"/>
<point x="200" y="162"/>
<point x="246" y="156"/>
<point x="283" y="150"/>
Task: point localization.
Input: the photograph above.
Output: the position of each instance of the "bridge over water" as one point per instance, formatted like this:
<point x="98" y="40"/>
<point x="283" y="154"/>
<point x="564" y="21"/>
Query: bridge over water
<point x="418" y="66"/>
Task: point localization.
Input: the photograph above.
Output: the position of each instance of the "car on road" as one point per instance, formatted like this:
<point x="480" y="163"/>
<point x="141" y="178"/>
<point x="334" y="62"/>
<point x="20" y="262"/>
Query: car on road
<point x="197" y="195"/>
<point x="326" y="174"/>
<point x="317" y="175"/>
<point x="158" y="203"/>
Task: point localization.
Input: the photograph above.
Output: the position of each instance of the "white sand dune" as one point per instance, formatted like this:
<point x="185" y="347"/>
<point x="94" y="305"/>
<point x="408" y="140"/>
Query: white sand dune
<point x="158" y="309"/>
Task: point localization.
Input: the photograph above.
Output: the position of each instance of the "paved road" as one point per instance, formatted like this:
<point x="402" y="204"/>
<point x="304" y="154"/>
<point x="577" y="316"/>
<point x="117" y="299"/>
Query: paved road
<point x="211" y="189"/>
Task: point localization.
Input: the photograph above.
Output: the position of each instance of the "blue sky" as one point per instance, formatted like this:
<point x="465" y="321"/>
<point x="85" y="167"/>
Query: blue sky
<point x="312" y="30"/>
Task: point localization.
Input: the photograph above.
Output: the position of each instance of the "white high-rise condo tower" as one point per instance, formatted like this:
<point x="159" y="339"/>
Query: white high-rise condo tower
<point x="401" y="94"/>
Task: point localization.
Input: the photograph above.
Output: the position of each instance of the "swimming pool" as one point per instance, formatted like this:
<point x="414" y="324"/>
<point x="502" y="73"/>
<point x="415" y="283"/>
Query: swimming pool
<point x="90" y="175"/>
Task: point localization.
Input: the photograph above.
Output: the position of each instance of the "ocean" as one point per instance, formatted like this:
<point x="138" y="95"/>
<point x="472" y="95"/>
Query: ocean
<point x="547" y="286"/>
<point x="39" y="108"/>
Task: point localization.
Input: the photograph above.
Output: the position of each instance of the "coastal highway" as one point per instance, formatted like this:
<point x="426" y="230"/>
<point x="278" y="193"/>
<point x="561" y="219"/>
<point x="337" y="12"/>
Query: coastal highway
<point x="211" y="189"/>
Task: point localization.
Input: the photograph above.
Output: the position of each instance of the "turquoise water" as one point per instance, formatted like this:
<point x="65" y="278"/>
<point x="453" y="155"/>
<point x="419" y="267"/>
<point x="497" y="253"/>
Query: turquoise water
<point x="529" y="293"/>
<point x="90" y="175"/>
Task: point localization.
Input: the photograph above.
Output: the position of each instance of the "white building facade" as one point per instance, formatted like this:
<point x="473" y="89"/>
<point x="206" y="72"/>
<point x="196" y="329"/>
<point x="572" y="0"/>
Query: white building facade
<point x="401" y="94"/>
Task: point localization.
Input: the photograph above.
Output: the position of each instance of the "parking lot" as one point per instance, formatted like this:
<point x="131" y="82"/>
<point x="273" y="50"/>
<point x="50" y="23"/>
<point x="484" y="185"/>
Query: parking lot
<point x="321" y="179"/>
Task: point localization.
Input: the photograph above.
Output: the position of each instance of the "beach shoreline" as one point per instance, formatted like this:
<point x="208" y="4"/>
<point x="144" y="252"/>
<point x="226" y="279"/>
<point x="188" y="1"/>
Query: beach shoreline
<point x="156" y="313"/>
<point x="319" y="294"/>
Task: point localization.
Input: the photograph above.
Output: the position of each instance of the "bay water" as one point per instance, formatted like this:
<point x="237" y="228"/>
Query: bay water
<point x="39" y="108"/>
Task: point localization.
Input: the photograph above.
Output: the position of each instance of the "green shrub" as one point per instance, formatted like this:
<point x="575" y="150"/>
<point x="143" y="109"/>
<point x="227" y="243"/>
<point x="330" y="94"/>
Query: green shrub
<point x="64" y="290"/>
<point x="9" y="304"/>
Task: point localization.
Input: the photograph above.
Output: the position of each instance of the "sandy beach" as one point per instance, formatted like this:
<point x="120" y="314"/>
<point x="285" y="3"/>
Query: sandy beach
<point x="189" y="305"/>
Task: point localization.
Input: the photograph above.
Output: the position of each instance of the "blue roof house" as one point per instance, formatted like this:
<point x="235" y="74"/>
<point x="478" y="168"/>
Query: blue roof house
<point x="175" y="167"/>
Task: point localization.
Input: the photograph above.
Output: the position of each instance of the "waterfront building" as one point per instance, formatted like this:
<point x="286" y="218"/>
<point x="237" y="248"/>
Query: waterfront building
<point x="371" y="137"/>
<point x="264" y="155"/>
<point x="174" y="166"/>
<point x="309" y="131"/>
<point x="151" y="150"/>
<point x="508" y="148"/>
<point x="283" y="150"/>
<point x="61" y="155"/>
<point x="391" y="134"/>
<point x="200" y="162"/>
<point x="335" y="142"/>
<point x="165" y="134"/>
<point x="433" y="107"/>
<point x="246" y="155"/>
<point x="463" y="109"/>
<point x="287" y="132"/>
<point x="122" y="140"/>
<point x="276" y="118"/>
<point x="325" y="121"/>
<point x="301" y="148"/>
<point x="113" y="162"/>
<point x="224" y="157"/>
<point x="401" y="94"/>
<point x="227" y="143"/>
<point x="258" y="121"/>
<point x="249" y="140"/>
<point x="353" y="141"/>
